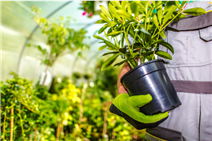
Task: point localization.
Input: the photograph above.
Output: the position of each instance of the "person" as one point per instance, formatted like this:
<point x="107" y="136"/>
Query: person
<point x="190" y="71"/>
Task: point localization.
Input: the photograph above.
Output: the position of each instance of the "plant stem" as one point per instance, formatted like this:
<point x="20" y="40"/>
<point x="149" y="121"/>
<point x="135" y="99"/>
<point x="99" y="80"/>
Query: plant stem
<point x="11" y="123"/>
<point x="125" y="34"/>
<point x="81" y="105"/>
<point x="36" y="130"/>
<point x="105" y="118"/>
<point x="141" y="41"/>
<point x="5" y="116"/>
<point x="155" y="48"/>
<point x="21" y="124"/>
<point x="58" y="129"/>
<point x="136" y="31"/>
<point x="149" y="16"/>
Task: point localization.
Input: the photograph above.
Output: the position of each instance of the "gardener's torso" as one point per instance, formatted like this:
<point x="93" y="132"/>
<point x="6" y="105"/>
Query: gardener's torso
<point x="191" y="74"/>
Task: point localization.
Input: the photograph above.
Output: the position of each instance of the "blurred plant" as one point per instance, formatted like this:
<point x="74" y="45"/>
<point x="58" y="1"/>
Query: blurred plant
<point x="70" y="113"/>
<point x="60" y="38"/>
<point x="106" y="80"/>
<point x="63" y="103"/>
<point x="88" y="7"/>
<point x="17" y="99"/>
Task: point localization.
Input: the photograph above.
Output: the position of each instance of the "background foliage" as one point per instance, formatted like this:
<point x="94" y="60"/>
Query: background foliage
<point x="66" y="113"/>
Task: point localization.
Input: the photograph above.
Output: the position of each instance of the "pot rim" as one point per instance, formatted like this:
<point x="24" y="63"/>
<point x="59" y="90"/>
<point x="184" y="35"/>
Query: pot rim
<point x="146" y="63"/>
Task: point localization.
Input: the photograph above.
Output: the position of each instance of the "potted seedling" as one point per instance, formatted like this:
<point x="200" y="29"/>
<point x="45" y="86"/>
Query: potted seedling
<point x="141" y="25"/>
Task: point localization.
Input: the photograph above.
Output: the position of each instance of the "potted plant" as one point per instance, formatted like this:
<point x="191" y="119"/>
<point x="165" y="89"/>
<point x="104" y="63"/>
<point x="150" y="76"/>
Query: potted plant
<point x="141" y="25"/>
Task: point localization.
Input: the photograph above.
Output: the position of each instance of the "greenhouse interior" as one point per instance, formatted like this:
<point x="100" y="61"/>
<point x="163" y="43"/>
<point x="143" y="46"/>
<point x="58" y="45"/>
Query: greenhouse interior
<point x="64" y="64"/>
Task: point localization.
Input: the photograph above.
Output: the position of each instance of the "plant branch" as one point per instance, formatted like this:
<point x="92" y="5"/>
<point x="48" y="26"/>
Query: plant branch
<point x="155" y="48"/>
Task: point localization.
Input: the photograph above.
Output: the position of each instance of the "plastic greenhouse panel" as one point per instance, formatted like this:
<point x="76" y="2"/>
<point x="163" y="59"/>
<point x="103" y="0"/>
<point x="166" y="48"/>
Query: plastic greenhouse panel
<point x="19" y="31"/>
<point x="64" y="65"/>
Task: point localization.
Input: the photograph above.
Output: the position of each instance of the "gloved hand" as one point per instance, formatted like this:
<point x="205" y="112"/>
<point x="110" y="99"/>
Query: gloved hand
<point x="128" y="107"/>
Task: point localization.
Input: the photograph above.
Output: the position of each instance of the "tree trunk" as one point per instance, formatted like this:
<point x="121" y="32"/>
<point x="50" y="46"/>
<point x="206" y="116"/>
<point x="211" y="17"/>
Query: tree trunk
<point x="44" y="80"/>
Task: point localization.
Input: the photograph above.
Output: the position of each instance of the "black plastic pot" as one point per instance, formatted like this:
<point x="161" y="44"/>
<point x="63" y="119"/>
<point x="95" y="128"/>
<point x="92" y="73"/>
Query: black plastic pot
<point x="151" y="78"/>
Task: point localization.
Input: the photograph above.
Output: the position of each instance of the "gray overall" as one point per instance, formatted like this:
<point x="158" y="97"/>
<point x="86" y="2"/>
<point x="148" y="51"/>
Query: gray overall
<point x="191" y="74"/>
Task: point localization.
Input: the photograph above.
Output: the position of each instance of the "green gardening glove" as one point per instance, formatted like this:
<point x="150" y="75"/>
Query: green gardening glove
<point x="128" y="107"/>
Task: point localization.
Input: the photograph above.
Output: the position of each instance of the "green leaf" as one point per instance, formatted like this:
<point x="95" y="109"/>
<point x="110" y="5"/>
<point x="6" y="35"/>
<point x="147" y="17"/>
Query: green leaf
<point x="168" y="46"/>
<point x="177" y="4"/>
<point x="111" y="24"/>
<point x="115" y="33"/>
<point x="195" y="11"/>
<point x="162" y="34"/>
<point x="124" y="5"/>
<point x="102" y="29"/>
<point x="168" y="15"/>
<point x="182" y="4"/>
<point x="109" y="44"/>
<point x="98" y="37"/>
<point x="153" y="2"/>
<point x="155" y="21"/>
<point x="114" y="52"/>
<point x="160" y="15"/>
<point x="141" y="6"/>
<point x="112" y="10"/>
<point x="134" y="8"/>
<point x="164" y="55"/>
<point x="122" y="40"/>
<point x="144" y="31"/>
<point x="116" y="4"/>
<point x="109" y="61"/>
<point x="105" y="11"/>
<point x="169" y="5"/>
<point x="122" y="50"/>
<point x="120" y="63"/>
<point x="104" y="17"/>
<point x="124" y="14"/>
<point x="100" y="22"/>
<point x="182" y="16"/>
<point x="109" y="30"/>
<point x="110" y="48"/>
<point x="129" y="9"/>
<point x="147" y="7"/>
<point x="165" y="44"/>
<point x="28" y="45"/>
<point x="106" y="35"/>
<point x="102" y="47"/>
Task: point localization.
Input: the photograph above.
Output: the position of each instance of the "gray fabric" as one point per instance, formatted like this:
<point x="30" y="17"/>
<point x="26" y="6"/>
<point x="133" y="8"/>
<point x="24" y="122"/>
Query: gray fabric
<point x="192" y="23"/>
<point x="192" y="86"/>
<point x="192" y="62"/>
<point x="185" y="118"/>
